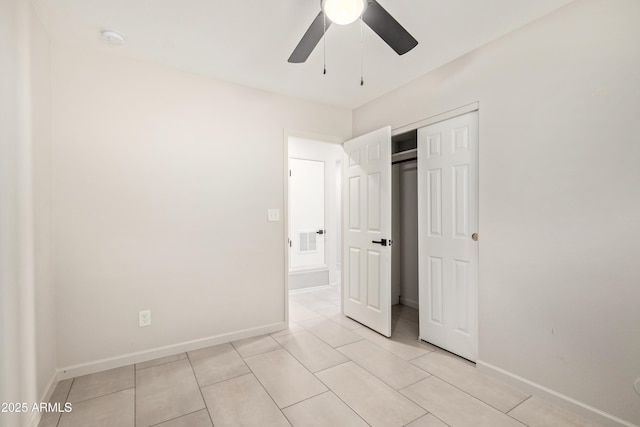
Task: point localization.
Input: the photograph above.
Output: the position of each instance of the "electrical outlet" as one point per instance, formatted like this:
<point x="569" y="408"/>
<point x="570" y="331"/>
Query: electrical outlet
<point x="144" y="318"/>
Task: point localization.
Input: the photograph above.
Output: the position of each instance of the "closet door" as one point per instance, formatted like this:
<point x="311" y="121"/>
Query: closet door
<point x="366" y="189"/>
<point x="448" y="226"/>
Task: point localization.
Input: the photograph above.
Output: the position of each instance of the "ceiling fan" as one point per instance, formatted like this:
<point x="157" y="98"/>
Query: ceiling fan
<point x="346" y="11"/>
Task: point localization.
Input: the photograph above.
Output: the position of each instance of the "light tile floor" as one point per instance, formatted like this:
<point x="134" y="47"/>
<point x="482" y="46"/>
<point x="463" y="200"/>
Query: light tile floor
<point x="324" y="370"/>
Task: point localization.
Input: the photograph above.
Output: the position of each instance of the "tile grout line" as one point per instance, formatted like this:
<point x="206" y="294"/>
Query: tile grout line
<point x="428" y="413"/>
<point x="284" y="335"/>
<point x="241" y="358"/>
<point x="386" y="383"/>
<point x="329" y="344"/>
<point x="226" y="379"/>
<point x="103" y="395"/>
<point x="300" y="361"/>
<point x="336" y="394"/>
<point x="264" y="352"/>
<point x="402" y="358"/>
<point x="417" y="418"/>
<point x="160" y="364"/>
<point x="179" y="416"/>
<point x="438" y="418"/>
<point x="418" y="357"/>
<point x="199" y="389"/>
<point x="467" y="393"/>
<point x="328" y="389"/>
<point x="65" y="399"/>
<point x="519" y="404"/>
<point x="253" y="374"/>
<point x="462" y="391"/>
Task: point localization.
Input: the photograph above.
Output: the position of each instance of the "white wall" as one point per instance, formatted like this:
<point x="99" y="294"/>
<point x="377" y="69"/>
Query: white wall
<point x="12" y="196"/>
<point x="407" y="243"/>
<point x="162" y="181"/>
<point x="559" y="196"/>
<point x="27" y="328"/>
<point x="42" y="155"/>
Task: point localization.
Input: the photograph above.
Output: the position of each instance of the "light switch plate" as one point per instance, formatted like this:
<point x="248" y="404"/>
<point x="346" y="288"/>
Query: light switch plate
<point x="273" y="214"/>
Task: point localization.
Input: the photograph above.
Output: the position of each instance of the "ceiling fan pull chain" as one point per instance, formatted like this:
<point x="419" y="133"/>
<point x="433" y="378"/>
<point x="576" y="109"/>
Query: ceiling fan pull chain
<point x="324" y="43"/>
<point x="361" y="53"/>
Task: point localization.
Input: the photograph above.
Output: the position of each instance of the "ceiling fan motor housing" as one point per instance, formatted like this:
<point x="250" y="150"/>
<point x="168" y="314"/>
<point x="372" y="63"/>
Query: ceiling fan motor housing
<point x="373" y="15"/>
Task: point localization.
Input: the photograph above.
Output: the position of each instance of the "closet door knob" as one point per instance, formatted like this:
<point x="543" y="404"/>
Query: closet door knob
<point x="474" y="236"/>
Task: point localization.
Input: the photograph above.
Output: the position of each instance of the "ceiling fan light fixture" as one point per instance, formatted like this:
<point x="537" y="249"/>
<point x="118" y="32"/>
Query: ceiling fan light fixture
<point x="343" y="12"/>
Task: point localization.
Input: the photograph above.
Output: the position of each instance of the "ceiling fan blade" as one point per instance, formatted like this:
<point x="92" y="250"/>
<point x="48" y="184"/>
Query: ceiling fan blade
<point x="389" y="30"/>
<point x="310" y="39"/>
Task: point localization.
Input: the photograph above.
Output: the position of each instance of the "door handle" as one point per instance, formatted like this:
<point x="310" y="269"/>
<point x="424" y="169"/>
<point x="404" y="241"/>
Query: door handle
<point x="320" y="232"/>
<point x="382" y="242"/>
<point x="474" y="237"/>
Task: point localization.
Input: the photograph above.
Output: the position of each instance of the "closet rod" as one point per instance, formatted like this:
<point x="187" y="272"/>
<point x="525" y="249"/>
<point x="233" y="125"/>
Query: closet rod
<point x="404" y="156"/>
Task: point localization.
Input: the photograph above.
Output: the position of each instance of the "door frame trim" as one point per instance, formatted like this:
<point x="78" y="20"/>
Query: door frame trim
<point x="450" y="114"/>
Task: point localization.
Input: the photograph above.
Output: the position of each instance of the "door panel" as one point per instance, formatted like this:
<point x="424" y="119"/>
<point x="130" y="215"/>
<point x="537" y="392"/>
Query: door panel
<point x="448" y="216"/>
<point x="354" y="203"/>
<point x="367" y="213"/>
<point x="307" y="190"/>
<point x="354" y="275"/>
<point x="435" y="288"/>
<point x="434" y="195"/>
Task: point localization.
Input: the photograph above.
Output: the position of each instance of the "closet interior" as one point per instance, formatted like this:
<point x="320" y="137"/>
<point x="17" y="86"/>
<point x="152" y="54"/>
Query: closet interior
<point x="404" y="258"/>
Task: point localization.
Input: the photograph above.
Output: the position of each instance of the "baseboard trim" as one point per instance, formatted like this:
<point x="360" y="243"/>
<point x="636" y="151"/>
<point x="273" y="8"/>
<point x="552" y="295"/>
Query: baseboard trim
<point x="306" y="279"/>
<point x="410" y="303"/>
<point x="586" y="411"/>
<point x="35" y="417"/>
<point x="143" y="356"/>
<point x="312" y="288"/>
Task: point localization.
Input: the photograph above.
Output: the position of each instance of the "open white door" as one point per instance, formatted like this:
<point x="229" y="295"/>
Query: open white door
<point x="448" y="226"/>
<point x="366" y="189"/>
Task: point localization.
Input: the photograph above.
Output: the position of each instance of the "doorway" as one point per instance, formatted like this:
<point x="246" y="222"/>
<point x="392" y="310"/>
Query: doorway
<point x="404" y="257"/>
<point x="313" y="213"/>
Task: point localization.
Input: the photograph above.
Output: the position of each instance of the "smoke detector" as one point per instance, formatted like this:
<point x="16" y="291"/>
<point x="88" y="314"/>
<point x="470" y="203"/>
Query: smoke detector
<point x="113" y="37"/>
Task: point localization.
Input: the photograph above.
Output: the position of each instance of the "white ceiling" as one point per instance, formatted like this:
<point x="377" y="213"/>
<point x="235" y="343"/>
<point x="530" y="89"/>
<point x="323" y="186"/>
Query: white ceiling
<point x="248" y="42"/>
